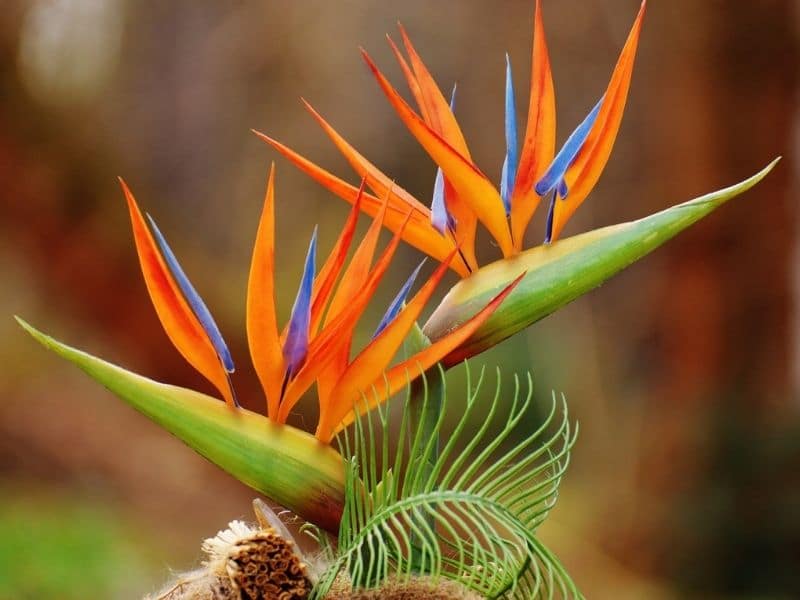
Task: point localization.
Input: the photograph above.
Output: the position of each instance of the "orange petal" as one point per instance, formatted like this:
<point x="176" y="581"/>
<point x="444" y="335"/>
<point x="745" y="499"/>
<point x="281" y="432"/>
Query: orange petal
<point x="358" y="269"/>
<point x="539" y="146"/>
<point x="466" y="225"/>
<point x="442" y="121"/>
<point x="388" y="384"/>
<point x="437" y="107"/>
<point x="419" y="233"/>
<point x="373" y="360"/>
<point x="584" y="172"/>
<point x="262" y="323"/>
<point x="338" y="333"/>
<point x="351" y="286"/>
<point x="470" y="184"/>
<point x="411" y="79"/>
<point x="378" y="182"/>
<point x="177" y="318"/>
<point x="330" y="271"/>
<point x="383" y="186"/>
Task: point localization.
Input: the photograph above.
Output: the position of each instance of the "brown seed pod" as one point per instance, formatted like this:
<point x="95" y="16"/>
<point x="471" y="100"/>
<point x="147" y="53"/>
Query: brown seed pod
<point x="266" y="566"/>
<point x="246" y="562"/>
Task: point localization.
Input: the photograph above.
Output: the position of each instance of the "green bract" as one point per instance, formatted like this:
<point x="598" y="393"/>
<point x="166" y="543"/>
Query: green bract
<point x="286" y="464"/>
<point x="563" y="271"/>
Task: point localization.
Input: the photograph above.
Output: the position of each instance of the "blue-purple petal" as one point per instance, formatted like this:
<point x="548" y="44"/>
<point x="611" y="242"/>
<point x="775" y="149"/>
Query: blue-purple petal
<point x="453" y="98"/>
<point x="194" y="300"/>
<point x="295" y="348"/>
<point x="563" y="190"/>
<point x="548" y="228"/>
<point x="510" y="164"/>
<point x="397" y="303"/>
<point x="440" y="217"/>
<point x="566" y="156"/>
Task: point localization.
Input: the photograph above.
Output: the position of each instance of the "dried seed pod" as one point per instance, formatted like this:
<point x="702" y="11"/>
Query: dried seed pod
<point x="266" y="565"/>
<point x="247" y="563"/>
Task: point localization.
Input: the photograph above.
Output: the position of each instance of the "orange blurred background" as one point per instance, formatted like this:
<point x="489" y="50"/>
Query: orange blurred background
<point x="683" y="370"/>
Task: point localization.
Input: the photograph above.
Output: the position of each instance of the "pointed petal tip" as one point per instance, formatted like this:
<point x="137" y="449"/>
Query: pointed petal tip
<point x="295" y="347"/>
<point x="399" y="300"/>
<point x="190" y="294"/>
<point x="263" y="136"/>
<point x="127" y="192"/>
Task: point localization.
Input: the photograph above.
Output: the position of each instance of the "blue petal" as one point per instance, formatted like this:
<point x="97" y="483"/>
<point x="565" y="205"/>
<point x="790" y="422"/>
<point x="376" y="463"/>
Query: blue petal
<point x="505" y="184"/>
<point x="196" y="303"/>
<point x="440" y="218"/>
<point x="566" y="156"/>
<point x="548" y="232"/>
<point x="563" y="190"/>
<point x="397" y="303"/>
<point x="509" y="175"/>
<point x="295" y="347"/>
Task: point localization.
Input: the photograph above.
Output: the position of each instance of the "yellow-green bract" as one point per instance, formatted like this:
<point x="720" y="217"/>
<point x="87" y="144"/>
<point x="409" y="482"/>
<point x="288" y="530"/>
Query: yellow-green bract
<point x="288" y="465"/>
<point x="559" y="273"/>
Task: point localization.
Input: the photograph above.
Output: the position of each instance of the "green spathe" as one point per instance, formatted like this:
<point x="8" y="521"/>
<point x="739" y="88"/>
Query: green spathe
<point x="563" y="271"/>
<point x="288" y="465"/>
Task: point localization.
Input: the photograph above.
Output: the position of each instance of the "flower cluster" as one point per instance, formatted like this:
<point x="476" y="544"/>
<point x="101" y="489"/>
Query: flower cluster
<point x="315" y="345"/>
<point x="462" y="194"/>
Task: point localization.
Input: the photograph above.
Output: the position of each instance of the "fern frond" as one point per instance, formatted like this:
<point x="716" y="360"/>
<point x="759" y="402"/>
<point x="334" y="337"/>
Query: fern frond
<point x="467" y="512"/>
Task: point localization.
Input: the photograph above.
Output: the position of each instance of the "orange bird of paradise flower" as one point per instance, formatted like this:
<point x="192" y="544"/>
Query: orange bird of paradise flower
<point x="315" y="346"/>
<point x="463" y="195"/>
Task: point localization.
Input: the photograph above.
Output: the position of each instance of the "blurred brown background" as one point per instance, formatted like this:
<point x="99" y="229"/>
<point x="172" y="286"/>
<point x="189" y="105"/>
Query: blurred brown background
<point x="683" y="370"/>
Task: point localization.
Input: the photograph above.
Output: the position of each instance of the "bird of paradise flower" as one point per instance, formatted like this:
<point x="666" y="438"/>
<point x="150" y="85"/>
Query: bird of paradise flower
<point x="463" y="195"/>
<point x="315" y="345"/>
<point x="489" y="304"/>
<point x="557" y="271"/>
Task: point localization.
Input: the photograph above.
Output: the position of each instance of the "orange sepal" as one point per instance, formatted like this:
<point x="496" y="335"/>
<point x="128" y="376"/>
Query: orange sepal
<point x="388" y="384"/>
<point x="350" y="286"/>
<point x="439" y="116"/>
<point x="177" y="318"/>
<point x="383" y="186"/>
<point x="441" y="120"/>
<point x="262" y="322"/>
<point x="466" y="225"/>
<point x="472" y="186"/>
<point x="419" y="233"/>
<point x="539" y="146"/>
<point x="337" y="333"/>
<point x="378" y="182"/>
<point x="330" y="271"/>
<point x="373" y="360"/>
<point x="584" y="172"/>
<point x="411" y="80"/>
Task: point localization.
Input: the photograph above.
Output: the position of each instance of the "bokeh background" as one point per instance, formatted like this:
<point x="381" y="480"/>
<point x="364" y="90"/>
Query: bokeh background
<point x="683" y="370"/>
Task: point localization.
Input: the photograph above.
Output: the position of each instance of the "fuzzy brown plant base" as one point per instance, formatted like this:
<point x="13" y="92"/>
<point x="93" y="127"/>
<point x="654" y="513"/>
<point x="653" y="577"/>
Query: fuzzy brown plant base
<point x="414" y="589"/>
<point x="263" y="562"/>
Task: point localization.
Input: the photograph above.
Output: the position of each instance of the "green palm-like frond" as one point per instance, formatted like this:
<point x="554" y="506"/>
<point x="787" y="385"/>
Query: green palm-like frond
<point x="466" y="512"/>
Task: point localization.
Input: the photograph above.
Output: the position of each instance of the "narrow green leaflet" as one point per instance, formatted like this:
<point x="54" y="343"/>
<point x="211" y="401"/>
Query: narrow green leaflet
<point x="467" y="514"/>
<point x="563" y="271"/>
<point x="289" y="466"/>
